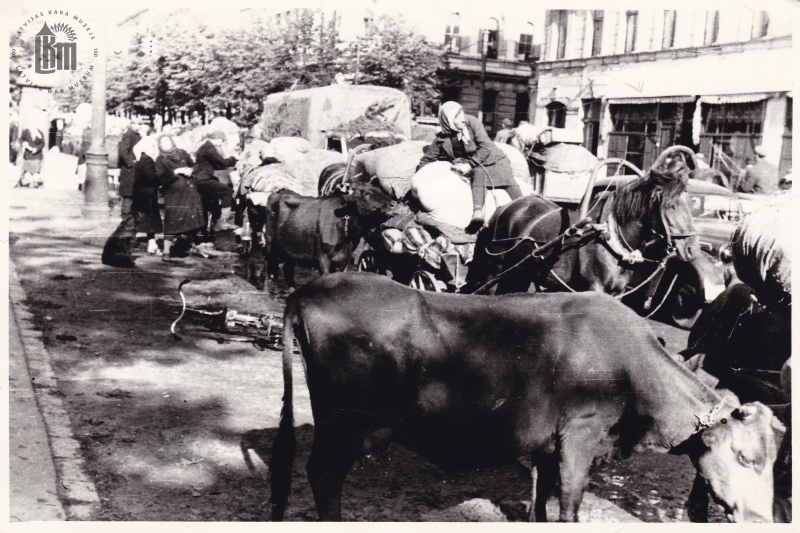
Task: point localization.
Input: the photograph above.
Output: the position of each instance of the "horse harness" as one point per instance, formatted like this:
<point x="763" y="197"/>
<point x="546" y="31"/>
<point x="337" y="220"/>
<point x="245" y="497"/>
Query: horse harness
<point x="607" y="229"/>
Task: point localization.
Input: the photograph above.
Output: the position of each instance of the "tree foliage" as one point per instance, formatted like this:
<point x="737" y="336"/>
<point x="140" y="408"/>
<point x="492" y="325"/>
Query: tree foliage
<point x="391" y="55"/>
<point x="177" y="71"/>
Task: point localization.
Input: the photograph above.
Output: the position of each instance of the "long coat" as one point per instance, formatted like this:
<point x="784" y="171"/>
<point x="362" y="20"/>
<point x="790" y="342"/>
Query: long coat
<point x="145" y="195"/>
<point x="183" y="209"/>
<point x="479" y="152"/>
<point x="208" y="160"/>
<point x="127" y="161"/>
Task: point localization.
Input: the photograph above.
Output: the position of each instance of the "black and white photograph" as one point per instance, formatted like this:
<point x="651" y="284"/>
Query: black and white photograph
<point x="419" y="261"/>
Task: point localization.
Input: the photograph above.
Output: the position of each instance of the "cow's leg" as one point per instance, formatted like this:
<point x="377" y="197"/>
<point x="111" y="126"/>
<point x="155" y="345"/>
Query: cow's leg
<point x="324" y="263"/>
<point x="579" y="440"/>
<point x="544" y="474"/>
<point x="288" y="273"/>
<point x="336" y="447"/>
<point x="697" y="504"/>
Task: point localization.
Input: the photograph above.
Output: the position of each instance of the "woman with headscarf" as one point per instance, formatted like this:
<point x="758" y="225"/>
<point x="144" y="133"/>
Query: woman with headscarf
<point x="32" y="145"/>
<point x="463" y="141"/>
<point x="183" y="208"/>
<point x="144" y="201"/>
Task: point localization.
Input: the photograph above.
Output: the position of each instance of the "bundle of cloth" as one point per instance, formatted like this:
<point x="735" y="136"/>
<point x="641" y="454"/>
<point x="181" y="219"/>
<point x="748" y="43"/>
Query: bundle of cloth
<point x="283" y="163"/>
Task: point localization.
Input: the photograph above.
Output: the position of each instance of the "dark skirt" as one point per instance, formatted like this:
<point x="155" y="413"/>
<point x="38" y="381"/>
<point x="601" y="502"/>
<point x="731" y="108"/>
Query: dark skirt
<point x="150" y="216"/>
<point x="126" y="179"/>
<point x="497" y="175"/>
<point x="32" y="166"/>
<point x="183" y="208"/>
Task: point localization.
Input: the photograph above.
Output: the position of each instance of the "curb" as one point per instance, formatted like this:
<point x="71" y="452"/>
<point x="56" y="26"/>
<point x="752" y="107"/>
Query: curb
<point x="76" y="489"/>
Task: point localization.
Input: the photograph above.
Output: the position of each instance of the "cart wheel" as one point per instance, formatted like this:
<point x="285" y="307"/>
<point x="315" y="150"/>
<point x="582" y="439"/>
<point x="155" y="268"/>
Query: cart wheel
<point x="368" y="262"/>
<point x="423" y="280"/>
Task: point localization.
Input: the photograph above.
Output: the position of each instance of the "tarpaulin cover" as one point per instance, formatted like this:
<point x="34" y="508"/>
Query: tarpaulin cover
<point x="394" y="166"/>
<point x="565" y="158"/>
<point x="314" y="113"/>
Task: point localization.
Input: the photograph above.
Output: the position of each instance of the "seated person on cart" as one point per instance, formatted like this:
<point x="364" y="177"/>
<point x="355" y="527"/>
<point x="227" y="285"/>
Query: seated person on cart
<point x="463" y="141"/>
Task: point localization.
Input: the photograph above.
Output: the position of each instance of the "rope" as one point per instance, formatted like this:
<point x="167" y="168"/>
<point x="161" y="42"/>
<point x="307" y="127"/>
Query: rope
<point x="664" y="299"/>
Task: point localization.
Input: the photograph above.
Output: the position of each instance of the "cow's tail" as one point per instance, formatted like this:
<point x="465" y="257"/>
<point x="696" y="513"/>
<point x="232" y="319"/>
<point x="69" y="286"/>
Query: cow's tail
<point x="283" y="450"/>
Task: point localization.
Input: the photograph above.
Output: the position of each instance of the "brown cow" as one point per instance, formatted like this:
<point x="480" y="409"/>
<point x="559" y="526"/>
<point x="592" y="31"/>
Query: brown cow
<point x="321" y="232"/>
<point x="473" y="381"/>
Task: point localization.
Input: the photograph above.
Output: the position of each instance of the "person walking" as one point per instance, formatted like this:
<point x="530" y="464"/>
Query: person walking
<point x="144" y="201"/>
<point x="463" y="141"/>
<point x="762" y="177"/>
<point x="127" y="162"/>
<point x="183" y="208"/>
<point x="32" y="145"/>
<point x="207" y="160"/>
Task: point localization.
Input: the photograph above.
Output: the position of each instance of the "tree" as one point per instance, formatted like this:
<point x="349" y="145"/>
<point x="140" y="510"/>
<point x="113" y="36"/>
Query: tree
<point x="392" y="55"/>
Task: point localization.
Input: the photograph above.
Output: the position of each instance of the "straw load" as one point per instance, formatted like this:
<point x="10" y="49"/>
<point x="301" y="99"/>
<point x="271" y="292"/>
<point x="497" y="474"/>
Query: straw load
<point x="761" y="249"/>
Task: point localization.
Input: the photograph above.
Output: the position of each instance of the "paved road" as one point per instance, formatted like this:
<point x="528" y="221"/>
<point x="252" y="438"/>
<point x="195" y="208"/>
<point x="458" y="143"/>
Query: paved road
<point x="159" y="420"/>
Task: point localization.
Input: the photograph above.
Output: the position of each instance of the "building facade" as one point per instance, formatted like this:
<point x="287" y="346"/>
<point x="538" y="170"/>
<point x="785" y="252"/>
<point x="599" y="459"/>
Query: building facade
<point x="637" y="82"/>
<point x="499" y="86"/>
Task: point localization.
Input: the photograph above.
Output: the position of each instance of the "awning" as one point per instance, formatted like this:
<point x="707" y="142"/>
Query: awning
<point x="653" y="100"/>
<point x="737" y="98"/>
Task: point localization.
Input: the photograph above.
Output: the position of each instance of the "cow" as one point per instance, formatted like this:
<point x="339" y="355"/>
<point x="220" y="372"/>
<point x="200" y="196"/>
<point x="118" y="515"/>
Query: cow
<point x="470" y="381"/>
<point x="321" y="232"/>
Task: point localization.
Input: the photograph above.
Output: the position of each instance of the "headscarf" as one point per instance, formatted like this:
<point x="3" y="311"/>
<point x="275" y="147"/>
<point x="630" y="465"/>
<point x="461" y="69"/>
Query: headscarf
<point x="447" y="117"/>
<point x="148" y="146"/>
<point x="166" y="152"/>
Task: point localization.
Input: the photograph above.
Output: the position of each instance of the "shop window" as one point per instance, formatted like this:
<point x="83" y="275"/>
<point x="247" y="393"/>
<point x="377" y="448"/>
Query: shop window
<point x="712" y="27"/>
<point x="556" y="115"/>
<point x="786" y="147"/>
<point x="597" y="32"/>
<point x="630" y="32"/>
<point x="730" y="133"/>
<point x="452" y="39"/>
<point x="668" y="41"/>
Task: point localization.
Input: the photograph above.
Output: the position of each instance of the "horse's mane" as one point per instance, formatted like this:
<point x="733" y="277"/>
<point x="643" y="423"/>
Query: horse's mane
<point x="637" y="199"/>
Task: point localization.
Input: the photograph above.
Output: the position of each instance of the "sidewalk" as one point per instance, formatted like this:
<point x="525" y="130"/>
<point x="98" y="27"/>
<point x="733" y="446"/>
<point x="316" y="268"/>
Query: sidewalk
<point x="32" y="474"/>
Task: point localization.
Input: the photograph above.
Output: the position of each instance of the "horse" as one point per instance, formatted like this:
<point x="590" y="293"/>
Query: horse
<point x="648" y="220"/>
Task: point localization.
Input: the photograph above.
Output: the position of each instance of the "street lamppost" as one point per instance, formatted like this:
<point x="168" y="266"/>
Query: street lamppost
<point x="95" y="187"/>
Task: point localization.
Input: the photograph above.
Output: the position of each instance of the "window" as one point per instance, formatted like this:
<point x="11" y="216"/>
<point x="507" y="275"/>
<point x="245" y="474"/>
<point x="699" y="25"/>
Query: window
<point x="561" y="25"/>
<point x="556" y="114"/>
<point x="712" y="27"/>
<point x="760" y="24"/>
<point x="521" y="107"/>
<point x="525" y="46"/>
<point x="668" y="40"/>
<point x="630" y="32"/>
<point x="492" y="44"/>
<point x="597" y="32"/>
<point x="452" y="39"/>
<point x="488" y="108"/>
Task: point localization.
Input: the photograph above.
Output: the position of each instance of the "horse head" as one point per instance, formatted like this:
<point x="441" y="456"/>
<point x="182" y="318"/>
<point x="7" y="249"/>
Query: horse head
<point x="656" y="204"/>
